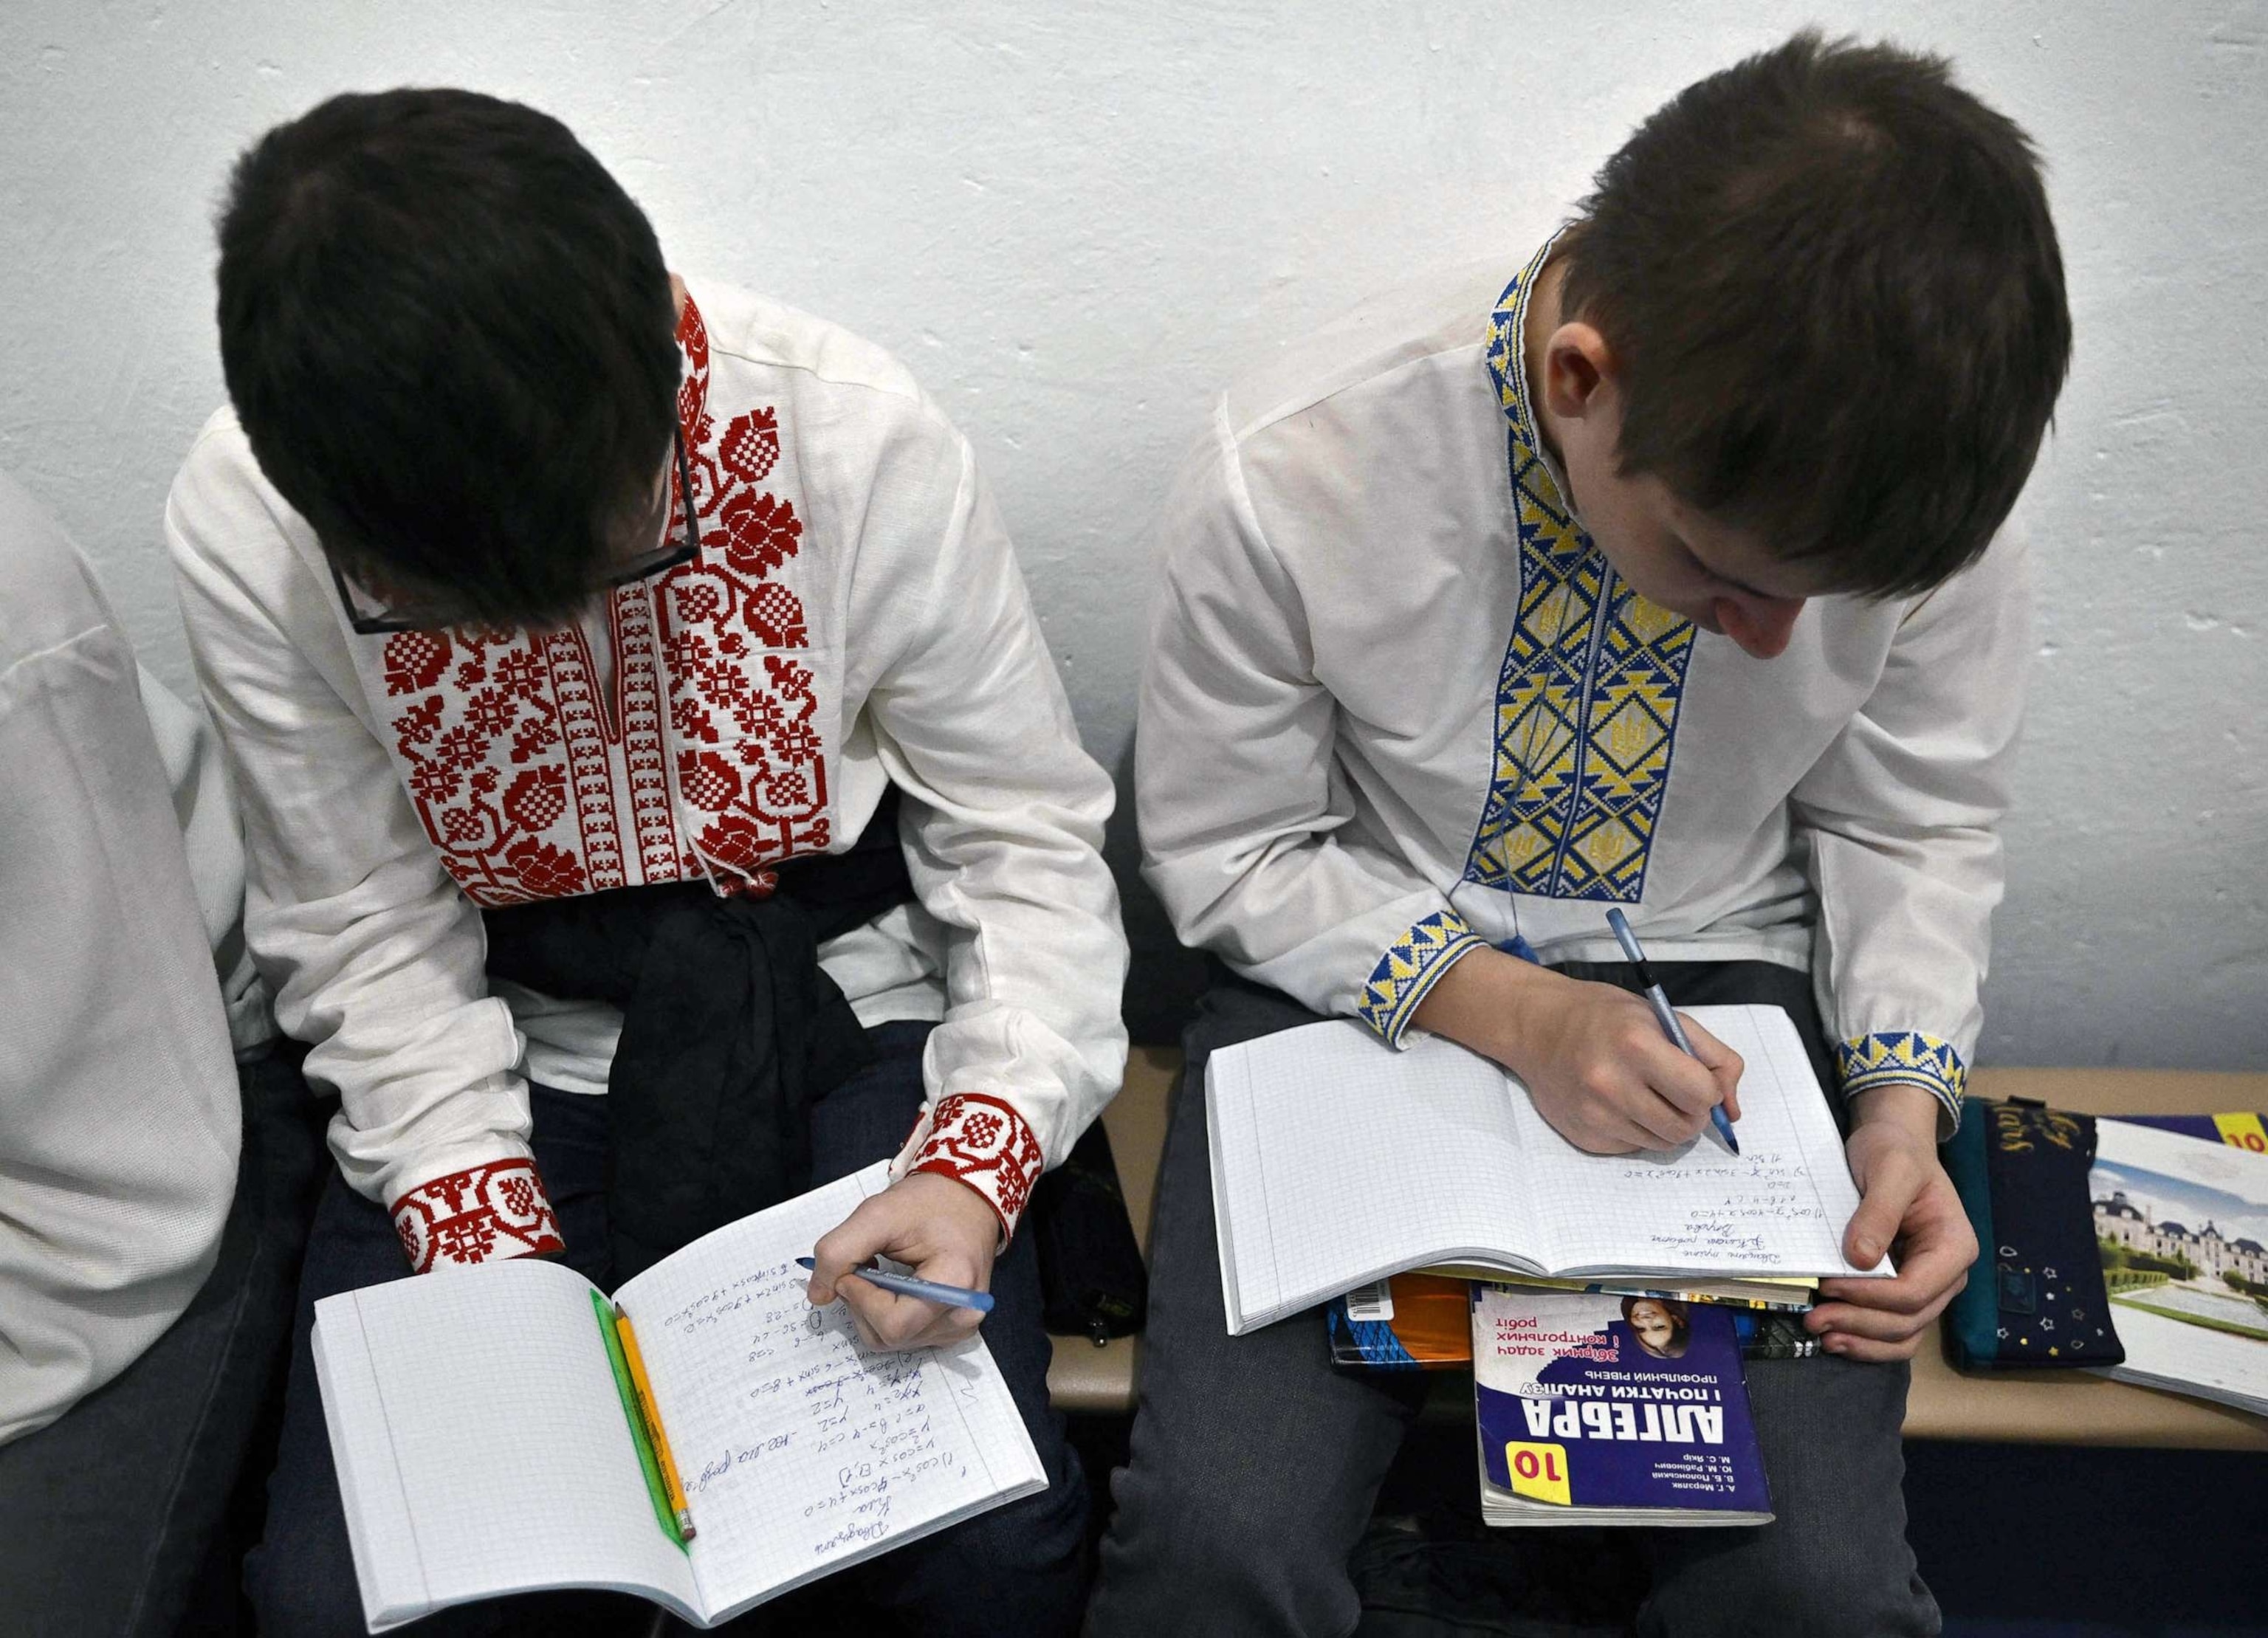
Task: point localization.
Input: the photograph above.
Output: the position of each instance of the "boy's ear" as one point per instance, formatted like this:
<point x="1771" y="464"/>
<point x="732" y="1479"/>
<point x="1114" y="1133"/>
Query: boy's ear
<point x="1579" y="372"/>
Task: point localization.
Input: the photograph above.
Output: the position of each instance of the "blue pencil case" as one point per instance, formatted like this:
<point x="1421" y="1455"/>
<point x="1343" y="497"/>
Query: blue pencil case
<point x="2036" y="1297"/>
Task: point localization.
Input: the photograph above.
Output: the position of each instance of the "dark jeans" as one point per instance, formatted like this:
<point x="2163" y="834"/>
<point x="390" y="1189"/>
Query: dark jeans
<point x="1254" y="1461"/>
<point x="107" y="1515"/>
<point x="1017" y="1569"/>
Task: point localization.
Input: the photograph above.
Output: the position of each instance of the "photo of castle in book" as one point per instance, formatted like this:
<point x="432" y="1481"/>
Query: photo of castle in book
<point x="2182" y="1251"/>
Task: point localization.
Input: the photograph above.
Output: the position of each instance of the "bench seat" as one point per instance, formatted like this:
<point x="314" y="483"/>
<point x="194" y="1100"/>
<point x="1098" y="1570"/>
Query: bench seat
<point x="2045" y="1407"/>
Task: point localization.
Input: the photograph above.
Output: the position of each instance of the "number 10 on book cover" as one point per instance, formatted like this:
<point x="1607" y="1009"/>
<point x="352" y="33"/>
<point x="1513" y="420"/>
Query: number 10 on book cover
<point x="1605" y="1410"/>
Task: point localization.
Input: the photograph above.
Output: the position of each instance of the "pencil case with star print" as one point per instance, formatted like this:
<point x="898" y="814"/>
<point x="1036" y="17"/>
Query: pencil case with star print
<point x="2036" y="1296"/>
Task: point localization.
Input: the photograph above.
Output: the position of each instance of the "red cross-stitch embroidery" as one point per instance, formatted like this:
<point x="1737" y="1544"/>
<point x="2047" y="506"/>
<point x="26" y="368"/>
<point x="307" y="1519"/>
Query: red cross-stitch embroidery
<point x="984" y="1142"/>
<point x="531" y="784"/>
<point x="498" y="1210"/>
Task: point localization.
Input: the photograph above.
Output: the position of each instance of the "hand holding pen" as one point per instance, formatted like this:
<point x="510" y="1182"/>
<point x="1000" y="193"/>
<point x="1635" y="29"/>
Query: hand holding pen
<point x="1597" y="1063"/>
<point x="1665" y="1014"/>
<point x="943" y="1231"/>
<point x="907" y="1285"/>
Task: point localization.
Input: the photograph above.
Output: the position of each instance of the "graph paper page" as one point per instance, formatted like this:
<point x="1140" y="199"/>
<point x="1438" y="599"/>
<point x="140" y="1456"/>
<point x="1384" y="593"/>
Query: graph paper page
<point x="484" y="1423"/>
<point x="1779" y="1208"/>
<point x="802" y="1451"/>
<point x="1337" y="1161"/>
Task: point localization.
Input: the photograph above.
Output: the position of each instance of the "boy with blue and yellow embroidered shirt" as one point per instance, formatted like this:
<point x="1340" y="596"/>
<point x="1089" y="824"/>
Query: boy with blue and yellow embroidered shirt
<point x="1672" y="577"/>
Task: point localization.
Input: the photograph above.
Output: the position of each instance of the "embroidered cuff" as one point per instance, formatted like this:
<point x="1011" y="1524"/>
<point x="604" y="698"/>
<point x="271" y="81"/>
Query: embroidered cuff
<point x="1411" y="966"/>
<point x="1866" y="1061"/>
<point x="470" y="1217"/>
<point x="981" y="1142"/>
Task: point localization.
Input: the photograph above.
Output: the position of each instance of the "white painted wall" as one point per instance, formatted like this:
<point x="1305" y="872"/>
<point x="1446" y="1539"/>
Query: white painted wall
<point x="1075" y="220"/>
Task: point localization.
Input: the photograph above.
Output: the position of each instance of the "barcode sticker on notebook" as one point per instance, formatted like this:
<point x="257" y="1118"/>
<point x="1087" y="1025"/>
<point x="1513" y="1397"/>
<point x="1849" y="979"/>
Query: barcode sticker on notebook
<point x="1371" y="1302"/>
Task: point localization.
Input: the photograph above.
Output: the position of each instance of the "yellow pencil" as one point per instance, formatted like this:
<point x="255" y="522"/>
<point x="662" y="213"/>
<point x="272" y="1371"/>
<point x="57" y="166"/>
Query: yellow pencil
<point x="652" y="1413"/>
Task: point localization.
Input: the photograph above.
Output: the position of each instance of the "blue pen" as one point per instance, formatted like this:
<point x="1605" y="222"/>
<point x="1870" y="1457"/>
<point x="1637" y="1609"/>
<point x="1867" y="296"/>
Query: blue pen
<point x="928" y="1290"/>
<point x="1670" y="1027"/>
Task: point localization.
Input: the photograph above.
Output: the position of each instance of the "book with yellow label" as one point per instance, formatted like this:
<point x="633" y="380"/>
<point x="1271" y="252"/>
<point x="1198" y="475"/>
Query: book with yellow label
<point x="1603" y="1410"/>
<point x="2181" y="1232"/>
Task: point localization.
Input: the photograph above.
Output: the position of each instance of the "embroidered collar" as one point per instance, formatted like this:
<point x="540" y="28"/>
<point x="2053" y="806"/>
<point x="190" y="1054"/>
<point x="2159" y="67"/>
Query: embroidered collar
<point x="714" y="758"/>
<point x="1587" y="699"/>
<point x="1534" y="472"/>
<point x="693" y="382"/>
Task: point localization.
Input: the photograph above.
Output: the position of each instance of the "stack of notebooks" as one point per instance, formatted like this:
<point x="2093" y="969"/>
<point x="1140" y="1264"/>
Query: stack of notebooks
<point x="1422" y="1321"/>
<point x="1603" y="1301"/>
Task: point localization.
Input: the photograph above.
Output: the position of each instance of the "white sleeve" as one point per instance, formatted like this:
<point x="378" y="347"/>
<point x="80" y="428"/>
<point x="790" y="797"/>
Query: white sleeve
<point x="1240" y="806"/>
<point x="1900" y="823"/>
<point x="119" y="1107"/>
<point x="1002" y="824"/>
<point x="376" y="960"/>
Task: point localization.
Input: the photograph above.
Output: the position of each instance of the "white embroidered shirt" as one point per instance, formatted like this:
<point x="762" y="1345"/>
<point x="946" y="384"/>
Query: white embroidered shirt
<point x="854" y="619"/>
<point x="1398" y="706"/>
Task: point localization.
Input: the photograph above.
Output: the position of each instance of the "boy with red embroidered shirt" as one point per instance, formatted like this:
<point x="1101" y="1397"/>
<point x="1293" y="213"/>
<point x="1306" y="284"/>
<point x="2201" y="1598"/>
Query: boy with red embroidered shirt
<point x="1664" y="576"/>
<point x="520" y="570"/>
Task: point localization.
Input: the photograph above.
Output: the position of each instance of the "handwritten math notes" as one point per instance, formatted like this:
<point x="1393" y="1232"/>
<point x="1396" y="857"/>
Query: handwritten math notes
<point x="794" y="1387"/>
<point x="800" y="1447"/>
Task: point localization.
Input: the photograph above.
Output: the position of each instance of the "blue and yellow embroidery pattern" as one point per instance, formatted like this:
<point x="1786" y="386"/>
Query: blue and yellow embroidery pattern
<point x="1586" y="702"/>
<point x="1866" y="1061"/>
<point x="1408" y="969"/>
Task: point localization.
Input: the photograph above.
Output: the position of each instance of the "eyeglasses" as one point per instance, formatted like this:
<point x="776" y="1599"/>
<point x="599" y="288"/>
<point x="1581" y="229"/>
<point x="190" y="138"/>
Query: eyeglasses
<point x="380" y="622"/>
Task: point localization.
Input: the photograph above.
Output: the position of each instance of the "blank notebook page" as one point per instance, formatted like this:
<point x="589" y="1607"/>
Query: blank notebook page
<point x="1780" y="1207"/>
<point x="1336" y="1159"/>
<point x="801" y="1450"/>
<point x="501" y="1415"/>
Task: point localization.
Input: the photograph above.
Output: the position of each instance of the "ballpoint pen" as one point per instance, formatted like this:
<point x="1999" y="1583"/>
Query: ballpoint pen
<point x="928" y="1290"/>
<point x="1667" y="1017"/>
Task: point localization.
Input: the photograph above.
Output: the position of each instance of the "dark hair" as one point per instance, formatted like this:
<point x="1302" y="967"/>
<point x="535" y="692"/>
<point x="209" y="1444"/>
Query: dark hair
<point x="1831" y="286"/>
<point x="450" y="338"/>
<point x="1681" y="1324"/>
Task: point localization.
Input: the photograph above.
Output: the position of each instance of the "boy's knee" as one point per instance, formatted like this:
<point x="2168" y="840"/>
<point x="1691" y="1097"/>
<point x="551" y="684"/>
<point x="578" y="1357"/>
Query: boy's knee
<point x="292" y="1601"/>
<point x="1799" y="1591"/>
<point x="1036" y="1535"/>
<point x="1886" y="1601"/>
<point x="300" y="1579"/>
<point x="1192" y="1541"/>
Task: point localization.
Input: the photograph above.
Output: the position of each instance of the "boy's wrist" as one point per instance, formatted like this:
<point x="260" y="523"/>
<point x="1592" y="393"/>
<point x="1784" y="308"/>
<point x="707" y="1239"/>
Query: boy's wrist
<point x="1485" y="1002"/>
<point x="477" y="1213"/>
<point x="1909" y="1106"/>
<point x="964" y="1212"/>
<point x="982" y="1143"/>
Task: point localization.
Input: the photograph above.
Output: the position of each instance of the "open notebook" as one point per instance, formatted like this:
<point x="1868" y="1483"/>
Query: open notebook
<point x="483" y="1448"/>
<point x="1336" y="1161"/>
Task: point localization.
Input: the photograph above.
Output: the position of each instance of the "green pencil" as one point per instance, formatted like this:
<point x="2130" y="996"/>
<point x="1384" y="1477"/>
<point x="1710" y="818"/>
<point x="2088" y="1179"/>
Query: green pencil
<point x="654" y="1486"/>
